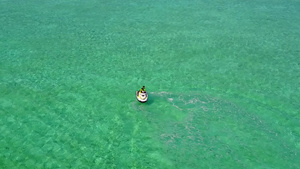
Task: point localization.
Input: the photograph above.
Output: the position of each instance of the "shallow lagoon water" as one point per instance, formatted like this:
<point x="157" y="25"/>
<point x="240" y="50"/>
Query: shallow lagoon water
<point x="223" y="83"/>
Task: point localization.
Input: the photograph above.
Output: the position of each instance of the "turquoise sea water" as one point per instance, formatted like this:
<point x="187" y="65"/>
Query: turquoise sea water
<point x="223" y="80"/>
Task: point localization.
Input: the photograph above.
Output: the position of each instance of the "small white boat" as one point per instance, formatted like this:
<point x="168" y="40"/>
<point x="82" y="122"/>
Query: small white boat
<point x="141" y="97"/>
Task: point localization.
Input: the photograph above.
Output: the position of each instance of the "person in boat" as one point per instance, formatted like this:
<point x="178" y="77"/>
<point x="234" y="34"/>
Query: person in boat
<point x="142" y="90"/>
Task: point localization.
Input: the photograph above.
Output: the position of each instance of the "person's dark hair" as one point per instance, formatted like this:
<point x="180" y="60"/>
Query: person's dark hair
<point x="143" y="86"/>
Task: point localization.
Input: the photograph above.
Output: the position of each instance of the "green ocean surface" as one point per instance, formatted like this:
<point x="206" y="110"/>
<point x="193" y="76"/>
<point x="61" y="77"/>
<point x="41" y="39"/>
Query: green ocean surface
<point x="223" y="79"/>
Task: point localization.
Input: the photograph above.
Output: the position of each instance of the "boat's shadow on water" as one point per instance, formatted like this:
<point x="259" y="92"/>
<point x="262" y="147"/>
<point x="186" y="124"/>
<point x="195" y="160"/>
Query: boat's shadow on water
<point x="150" y="101"/>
